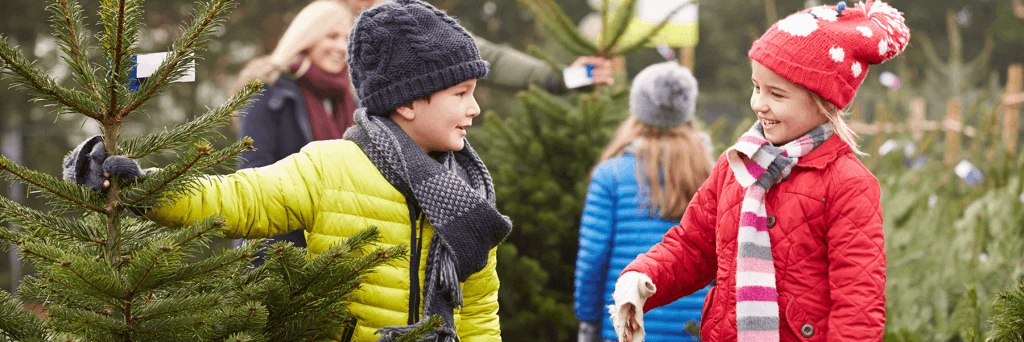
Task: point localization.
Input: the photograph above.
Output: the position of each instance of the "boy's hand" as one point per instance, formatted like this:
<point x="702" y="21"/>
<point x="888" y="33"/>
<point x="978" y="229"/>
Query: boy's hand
<point x="602" y="68"/>
<point x="89" y="165"/>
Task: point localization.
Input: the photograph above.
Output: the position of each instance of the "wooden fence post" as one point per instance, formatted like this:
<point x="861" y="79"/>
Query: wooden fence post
<point x="686" y="57"/>
<point x="1012" y="102"/>
<point x="917" y="118"/>
<point x="951" y="126"/>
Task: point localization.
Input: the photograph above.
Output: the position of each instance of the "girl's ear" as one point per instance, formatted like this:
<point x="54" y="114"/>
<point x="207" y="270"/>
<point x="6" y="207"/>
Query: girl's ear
<point x="406" y="111"/>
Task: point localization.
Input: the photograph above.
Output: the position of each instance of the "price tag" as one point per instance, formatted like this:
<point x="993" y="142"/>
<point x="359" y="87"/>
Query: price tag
<point x="969" y="173"/>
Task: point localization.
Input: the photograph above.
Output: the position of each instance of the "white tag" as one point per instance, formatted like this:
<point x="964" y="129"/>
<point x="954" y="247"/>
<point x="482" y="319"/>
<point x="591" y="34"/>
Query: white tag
<point x="147" y="64"/>
<point x="578" y="76"/>
<point x="968" y="172"/>
<point x="887" y="147"/>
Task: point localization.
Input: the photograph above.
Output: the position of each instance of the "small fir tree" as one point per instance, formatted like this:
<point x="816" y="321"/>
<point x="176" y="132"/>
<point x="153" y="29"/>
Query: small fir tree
<point x="105" y="274"/>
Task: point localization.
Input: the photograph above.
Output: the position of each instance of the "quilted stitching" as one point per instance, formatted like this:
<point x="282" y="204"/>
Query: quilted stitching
<point x="852" y="295"/>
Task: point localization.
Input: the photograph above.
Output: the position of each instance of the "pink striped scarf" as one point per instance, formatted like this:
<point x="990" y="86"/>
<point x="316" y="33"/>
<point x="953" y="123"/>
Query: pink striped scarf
<point x="757" y="165"/>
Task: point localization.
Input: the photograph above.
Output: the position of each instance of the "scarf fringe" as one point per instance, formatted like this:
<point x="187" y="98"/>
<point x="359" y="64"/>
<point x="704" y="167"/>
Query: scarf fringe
<point x="448" y="279"/>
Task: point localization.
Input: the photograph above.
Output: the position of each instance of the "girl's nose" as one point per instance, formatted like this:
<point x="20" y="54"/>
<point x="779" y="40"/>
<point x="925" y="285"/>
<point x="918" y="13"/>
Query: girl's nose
<point x="758" y="104"/>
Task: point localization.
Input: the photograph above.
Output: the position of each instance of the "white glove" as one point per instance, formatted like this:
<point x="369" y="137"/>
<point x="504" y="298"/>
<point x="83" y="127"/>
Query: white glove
<point x="631" y="292"/>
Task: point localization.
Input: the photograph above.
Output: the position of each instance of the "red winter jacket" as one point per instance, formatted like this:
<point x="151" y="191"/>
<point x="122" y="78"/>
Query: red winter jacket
<point x="827" y="247"/>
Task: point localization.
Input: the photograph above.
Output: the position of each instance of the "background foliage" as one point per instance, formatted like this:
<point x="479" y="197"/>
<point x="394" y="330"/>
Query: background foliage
<point x="953" y="249"/>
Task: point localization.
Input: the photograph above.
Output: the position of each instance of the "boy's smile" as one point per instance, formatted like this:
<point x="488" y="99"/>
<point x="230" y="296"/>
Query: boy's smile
<point x="785" y="109"/>
<point x="438" y="123"/>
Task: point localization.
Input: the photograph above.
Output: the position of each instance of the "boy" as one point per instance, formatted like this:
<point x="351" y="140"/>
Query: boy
<point x="404" y="168"/>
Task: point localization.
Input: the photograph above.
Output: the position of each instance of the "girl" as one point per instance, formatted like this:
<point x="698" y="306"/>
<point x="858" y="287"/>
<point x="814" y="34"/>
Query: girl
<point x="789" y="222"/>
<point x="638" y="191"/>
<point x="314" y="101"/>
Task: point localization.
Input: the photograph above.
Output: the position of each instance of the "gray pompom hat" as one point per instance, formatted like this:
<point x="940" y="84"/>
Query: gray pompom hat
<point x="664" y="95"/>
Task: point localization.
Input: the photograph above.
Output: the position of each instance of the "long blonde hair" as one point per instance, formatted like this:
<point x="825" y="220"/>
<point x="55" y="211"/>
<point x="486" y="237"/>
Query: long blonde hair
<point x="310" y="25"/>
<point x="672" y="163"/>
<point x="835" y="116"/>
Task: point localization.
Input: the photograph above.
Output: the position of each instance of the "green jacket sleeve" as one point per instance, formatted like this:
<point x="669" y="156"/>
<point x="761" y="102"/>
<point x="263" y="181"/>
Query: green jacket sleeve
<point x="479" y="315"/>
<point x="514" y="69"/>
<point x="258" y="202"/>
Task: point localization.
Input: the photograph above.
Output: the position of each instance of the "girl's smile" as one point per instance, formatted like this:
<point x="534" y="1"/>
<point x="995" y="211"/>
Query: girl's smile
<point x="785" y="109"/>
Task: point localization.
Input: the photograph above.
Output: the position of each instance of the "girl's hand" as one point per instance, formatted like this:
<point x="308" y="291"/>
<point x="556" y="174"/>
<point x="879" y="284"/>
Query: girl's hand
<point x="632" y="325"/>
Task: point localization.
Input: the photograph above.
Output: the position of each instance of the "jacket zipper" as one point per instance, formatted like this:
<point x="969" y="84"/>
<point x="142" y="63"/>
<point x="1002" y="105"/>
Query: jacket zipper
<point x="416" y="244"/>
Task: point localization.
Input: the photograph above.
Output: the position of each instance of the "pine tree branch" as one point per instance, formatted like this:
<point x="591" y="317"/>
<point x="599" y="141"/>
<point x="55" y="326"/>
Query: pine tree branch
<point x="935" y="62"/>
<point x="115" y="22"/>
<point x="44" y="86"/>
<point x="170" y="329"/>
<point x="69" y="30"/>
<point x="203" y="126"/>
<point x="619" y="24"/>
<point x="208" y="16"/>
<point x="30" y="249"/>
<point x="17" y="324"/>
<point x="53" y="186"/>
<point x="167" y="308"/>
<point x="167" y="179"/>
<point x="647" y="36"/>
<point x="36" y="221"/>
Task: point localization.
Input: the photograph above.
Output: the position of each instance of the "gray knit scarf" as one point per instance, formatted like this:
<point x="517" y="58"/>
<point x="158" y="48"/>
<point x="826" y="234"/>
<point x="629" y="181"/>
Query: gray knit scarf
<point x="456" y="195"/>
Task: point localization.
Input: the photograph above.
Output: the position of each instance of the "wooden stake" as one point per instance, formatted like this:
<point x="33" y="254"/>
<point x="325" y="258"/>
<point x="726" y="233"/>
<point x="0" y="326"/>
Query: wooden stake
<point x="686" y="57"/>
<point x="1014" y="84"/>
<point x="917" y="118"/>
<point x="952" y="127"/>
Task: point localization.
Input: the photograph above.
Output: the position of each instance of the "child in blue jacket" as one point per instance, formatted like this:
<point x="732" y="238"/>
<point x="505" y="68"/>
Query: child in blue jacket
<point x="643" y="182"/>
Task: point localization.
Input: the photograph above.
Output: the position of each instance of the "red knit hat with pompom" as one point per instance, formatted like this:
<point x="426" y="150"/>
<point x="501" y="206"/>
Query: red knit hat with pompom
<point x="827" y="49"/>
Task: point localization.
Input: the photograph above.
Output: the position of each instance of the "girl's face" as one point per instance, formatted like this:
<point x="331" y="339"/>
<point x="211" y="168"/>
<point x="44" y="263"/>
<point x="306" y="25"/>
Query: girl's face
<point x="329" y="53"/>
<point x="785" y="109"/>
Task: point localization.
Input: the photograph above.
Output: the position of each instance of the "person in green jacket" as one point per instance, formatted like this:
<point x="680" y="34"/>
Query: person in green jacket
<point x="405" y="168"/>
<point x="513" y="69"/>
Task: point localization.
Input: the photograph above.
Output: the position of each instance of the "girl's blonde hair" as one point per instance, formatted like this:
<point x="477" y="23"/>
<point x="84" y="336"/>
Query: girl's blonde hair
<point x="835" y="116"/>
<point x="671" y="165"/>
<point x="310" y="25"/>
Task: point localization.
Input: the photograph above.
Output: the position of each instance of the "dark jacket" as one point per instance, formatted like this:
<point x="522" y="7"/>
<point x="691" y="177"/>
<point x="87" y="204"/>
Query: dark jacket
<point x="278" y="123"/>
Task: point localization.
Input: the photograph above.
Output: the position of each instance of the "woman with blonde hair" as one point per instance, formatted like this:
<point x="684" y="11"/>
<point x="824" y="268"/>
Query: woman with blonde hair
<point x="638" y="191"/>
<point x="306" y="96"/>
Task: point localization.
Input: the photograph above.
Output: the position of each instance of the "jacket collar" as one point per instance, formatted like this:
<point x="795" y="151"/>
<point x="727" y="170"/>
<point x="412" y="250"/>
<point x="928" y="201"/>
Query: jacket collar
<point x="827" y="152"/>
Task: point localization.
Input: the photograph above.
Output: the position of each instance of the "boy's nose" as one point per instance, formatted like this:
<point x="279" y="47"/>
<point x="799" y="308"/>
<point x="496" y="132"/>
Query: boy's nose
<point x="474" y="108"/>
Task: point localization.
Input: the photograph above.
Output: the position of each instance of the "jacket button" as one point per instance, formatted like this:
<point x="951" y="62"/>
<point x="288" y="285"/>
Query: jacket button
<point x="807" y="330"/>
<point x="771" y="221"/>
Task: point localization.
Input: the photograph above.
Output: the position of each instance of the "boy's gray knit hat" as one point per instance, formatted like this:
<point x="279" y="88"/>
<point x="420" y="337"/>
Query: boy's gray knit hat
<point x="403" y="50"/>
<point x="664" y="94"/>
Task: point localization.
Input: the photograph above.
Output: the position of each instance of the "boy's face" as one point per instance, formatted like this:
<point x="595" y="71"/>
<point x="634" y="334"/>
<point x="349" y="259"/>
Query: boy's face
<point x="439" y="125"/>
<point x="785" y="109"/>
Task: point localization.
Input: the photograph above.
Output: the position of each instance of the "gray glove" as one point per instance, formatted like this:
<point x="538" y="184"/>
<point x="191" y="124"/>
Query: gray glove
<point x="88" y="161"/>
<point x="589" y="332"/>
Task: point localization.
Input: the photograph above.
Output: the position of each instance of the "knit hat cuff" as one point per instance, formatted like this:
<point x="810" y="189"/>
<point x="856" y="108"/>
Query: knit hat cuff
<point x="829" y="85"/>
<point x="386" y="100"/>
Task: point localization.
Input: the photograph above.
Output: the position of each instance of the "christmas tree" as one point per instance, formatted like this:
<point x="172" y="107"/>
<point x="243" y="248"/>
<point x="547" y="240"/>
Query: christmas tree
<point x="540" y="160"/>
<point x="105" y="274"/>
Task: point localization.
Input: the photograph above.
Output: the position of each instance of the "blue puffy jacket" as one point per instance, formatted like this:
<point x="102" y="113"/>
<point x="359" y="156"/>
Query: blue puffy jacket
<point x="617" y="226"/>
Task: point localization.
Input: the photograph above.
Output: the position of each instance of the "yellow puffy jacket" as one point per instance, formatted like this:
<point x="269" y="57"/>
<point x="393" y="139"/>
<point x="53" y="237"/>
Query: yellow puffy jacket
<point x="332" y="190"/>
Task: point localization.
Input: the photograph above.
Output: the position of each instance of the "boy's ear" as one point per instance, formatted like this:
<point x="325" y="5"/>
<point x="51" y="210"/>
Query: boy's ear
<point x="406" y="111"/>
